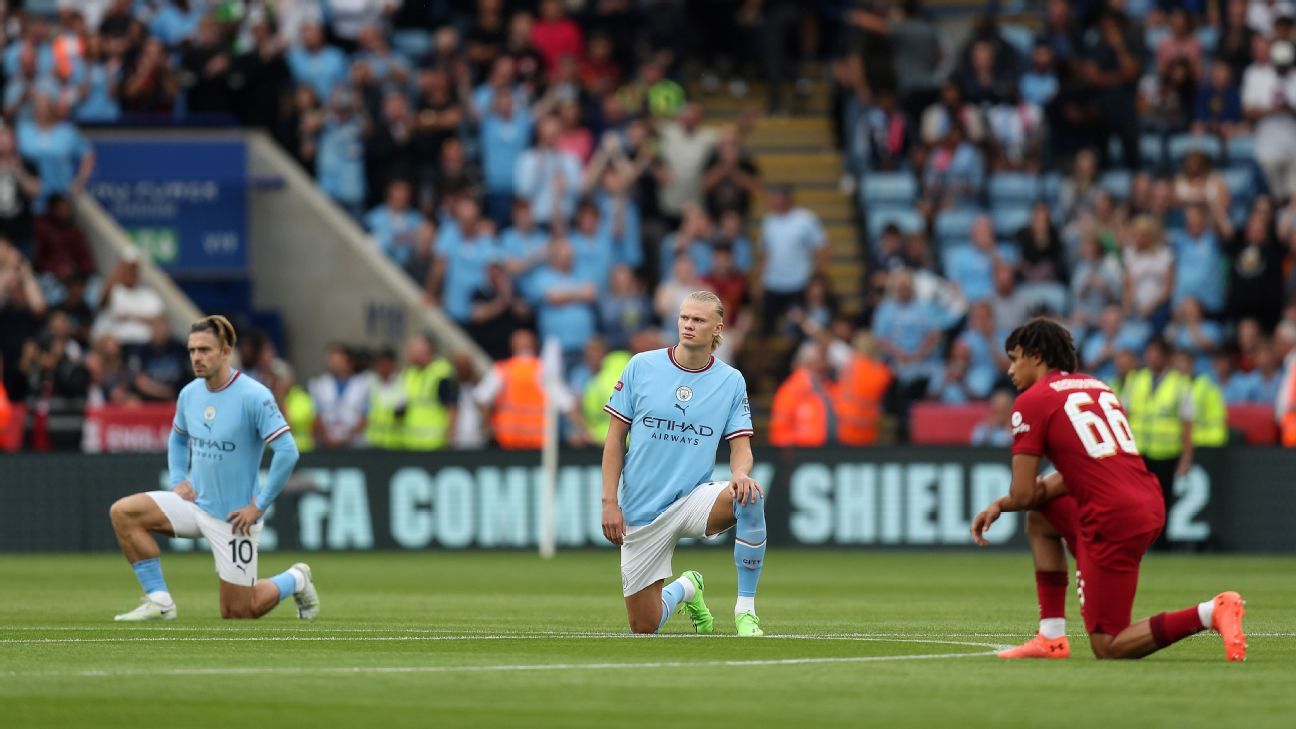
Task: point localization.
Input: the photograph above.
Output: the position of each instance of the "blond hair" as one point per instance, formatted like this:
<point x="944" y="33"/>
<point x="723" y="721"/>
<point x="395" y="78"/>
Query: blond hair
<point x="706" y="297"/>
<point x="219" y="326"/>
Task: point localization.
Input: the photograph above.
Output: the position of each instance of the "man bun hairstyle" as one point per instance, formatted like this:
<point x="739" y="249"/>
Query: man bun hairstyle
<point x="706" y="297"/>
<point x="1047" y="339"/>
<point x="220" y="328"/>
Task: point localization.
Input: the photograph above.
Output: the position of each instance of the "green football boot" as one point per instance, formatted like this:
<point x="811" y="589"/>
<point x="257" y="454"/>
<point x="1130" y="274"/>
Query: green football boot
<point x="748" y="625"/>
<point x="696" y="608"/>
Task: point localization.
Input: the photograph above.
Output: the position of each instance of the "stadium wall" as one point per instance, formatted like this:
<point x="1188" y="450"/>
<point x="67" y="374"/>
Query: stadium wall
<point x="1233" y="500"/>
<point x="303" y="256"/>
<point x="315" y="265"/>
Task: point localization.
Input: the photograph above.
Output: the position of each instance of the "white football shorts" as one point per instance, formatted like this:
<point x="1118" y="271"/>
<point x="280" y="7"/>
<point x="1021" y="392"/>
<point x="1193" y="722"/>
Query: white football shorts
<point x="647" y="550"/>
<point x="235" y="554"/>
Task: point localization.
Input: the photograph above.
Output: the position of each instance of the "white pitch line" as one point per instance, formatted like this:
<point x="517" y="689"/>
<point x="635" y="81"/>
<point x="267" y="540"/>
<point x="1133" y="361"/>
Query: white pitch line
<point x="244" y="671"/>
<point x="472" y="637"/>
<point x="272" y="629"/>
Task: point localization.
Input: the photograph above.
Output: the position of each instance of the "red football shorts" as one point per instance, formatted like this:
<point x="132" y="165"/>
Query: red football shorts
<point x="1106" y="571"/>
<point x="1064" y="514"/>
<point x="1107" y="578"/>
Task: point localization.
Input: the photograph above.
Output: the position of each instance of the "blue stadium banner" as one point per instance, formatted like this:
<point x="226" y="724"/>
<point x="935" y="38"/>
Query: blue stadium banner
<point x="183" y="202"/>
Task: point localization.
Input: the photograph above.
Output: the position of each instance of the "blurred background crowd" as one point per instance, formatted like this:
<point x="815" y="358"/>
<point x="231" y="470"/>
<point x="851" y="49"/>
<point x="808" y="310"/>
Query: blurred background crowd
<point x="553" y="170"/>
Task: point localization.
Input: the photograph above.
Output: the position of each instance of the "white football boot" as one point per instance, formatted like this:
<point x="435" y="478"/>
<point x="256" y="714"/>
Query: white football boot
<point x="307" y="599"/>
<point x="148" y="610"/>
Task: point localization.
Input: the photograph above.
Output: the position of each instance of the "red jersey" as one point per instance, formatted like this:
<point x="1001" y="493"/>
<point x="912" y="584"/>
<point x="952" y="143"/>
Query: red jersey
<point x="1077" y="422"/>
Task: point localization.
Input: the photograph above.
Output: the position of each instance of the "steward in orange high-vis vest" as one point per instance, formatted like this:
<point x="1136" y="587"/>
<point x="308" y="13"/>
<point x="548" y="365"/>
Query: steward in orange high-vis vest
<point x="515" y="391"/>
<point x="861" y="385"/>
<point x="802" y="413"/>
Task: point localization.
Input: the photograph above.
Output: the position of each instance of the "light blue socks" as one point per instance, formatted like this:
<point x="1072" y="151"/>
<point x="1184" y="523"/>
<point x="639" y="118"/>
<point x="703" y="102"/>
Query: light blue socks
<point x="749" y="551"/>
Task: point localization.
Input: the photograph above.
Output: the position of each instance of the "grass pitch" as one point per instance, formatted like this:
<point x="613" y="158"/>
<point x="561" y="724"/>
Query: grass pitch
<point x="504" y="639"/>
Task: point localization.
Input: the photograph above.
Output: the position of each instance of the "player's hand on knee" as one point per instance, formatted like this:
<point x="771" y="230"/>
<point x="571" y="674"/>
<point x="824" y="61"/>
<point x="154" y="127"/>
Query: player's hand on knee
<point x="244" y="519"/>
<point x="613" y="524"/>
<point x="982" y="522"/>
<point x="185" y="490"/>
<point x="745" y="490"/>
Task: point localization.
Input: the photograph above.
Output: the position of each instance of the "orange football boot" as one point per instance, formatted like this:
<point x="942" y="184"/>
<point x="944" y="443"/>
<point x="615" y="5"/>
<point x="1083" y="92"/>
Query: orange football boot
<point x="1039" y="647"/>
<point x="1227" y="621"/>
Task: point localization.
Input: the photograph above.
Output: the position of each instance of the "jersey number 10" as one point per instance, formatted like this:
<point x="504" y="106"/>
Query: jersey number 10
<point x="1101" y="439"/>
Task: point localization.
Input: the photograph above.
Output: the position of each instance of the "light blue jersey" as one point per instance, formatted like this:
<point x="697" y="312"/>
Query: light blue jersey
<point x="228" y="430"/>
<point x="677" y="417"/>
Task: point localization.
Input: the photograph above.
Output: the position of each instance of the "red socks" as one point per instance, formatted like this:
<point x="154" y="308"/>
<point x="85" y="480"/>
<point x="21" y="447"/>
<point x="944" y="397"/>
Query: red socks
<point x="1051" y="588"/>
<point x="1173" y="627"/>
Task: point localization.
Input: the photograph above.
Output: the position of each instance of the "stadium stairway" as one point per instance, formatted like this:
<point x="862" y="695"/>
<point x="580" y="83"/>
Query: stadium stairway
<point x="796" y="149"/>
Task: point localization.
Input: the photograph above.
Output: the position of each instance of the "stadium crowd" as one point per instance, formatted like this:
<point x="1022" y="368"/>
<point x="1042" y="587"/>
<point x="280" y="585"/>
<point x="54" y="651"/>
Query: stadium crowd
<point x="1126" y="165"/>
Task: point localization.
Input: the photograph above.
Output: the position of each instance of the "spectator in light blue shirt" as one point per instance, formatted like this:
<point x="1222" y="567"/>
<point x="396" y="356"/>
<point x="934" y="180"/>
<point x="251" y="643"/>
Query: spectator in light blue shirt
<point x="505" y="134"/>
<point x="564" y="301"/>
<point x="549" y="177"/>
<point x="908" y="332"/>
<point x="625" y="309"/>
<point x="99" y="85"/>
<point x="996" y="429"/>
<point x="395" y="225"/>
<point x="986" y="360"/>
<point x="375" y="64"/>
<point x="1192" y="333"/>
<point x="41" y="52"/>
<point x="320" y="66"/>
<point x="524" y="246"/>
<point x="173" y="26"/>
<point x="693" y="239"/>
<point x="620" y="215"/>
<point x="972" y="267"/>
<point x="501" y="81"/>
<point x="955" y="171"/>
<point x="1114" y="334"/>
<point x="1199" y="266"/>
<point x="1039" y="84"/>
<point x="1260" y="386"/>
<point x="465" y="248"/>
<point x="591" y="243"/>
<point x="339" y="156"/>
<point x="795" y="245"/>
<point x="950" y="384"/>
<point x="63" y="158"/>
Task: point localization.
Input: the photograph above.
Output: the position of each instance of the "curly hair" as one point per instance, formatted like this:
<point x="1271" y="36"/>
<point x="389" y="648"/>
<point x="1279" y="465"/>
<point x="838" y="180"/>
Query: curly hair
<point x="1047" y="339"/>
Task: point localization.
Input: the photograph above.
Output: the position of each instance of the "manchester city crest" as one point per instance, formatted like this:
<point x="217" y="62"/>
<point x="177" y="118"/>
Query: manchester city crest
<point x="210" y="413"/>
<point x="683" y="394"/>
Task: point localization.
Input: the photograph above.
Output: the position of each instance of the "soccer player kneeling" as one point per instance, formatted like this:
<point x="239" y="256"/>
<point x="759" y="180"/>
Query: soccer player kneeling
<point x="223" y="422"/>
<point x="676" y="404"/>
<point x="1102" y="501"/>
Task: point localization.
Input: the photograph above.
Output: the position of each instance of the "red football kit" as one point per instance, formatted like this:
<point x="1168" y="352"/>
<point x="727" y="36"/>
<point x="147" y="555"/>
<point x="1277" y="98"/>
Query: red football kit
<point x="1114" y="510"/>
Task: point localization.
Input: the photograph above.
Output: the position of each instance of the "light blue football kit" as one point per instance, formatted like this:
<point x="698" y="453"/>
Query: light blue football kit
<point x="227" y="431"/>
<point x="677" y="418"/>
<point x="217" y="443"/>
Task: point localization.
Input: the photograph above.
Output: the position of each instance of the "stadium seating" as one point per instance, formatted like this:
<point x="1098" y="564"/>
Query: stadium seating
<point x="955" y="225"/>
<point x="1118" y="183"/>
<point x="1014" y="188"/>
<point x="908" y="221"/>
<point x="1182" y="145"/>
<point x="882" y="190"/>
<point x="1241" y="150"/>
<point x="1009" y="220"/>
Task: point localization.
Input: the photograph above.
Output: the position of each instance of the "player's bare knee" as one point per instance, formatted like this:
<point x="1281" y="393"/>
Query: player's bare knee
<point x="1103" y="647"/>
<point x="1036" y="524"/>
<point x="121" y="514"/>
<point x="642" y="626"/>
